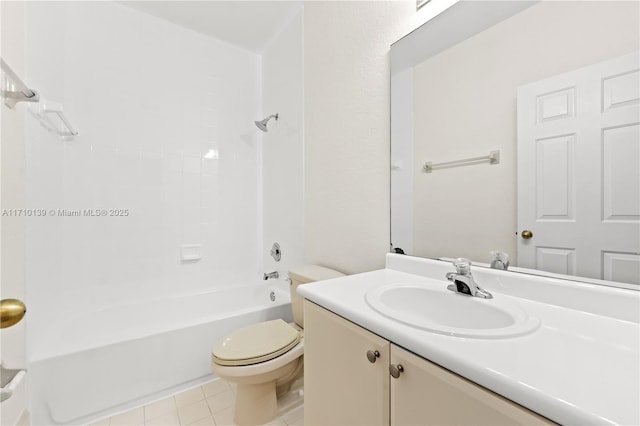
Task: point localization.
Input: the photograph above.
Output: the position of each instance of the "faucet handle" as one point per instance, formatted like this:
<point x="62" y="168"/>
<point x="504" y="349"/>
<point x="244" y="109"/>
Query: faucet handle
<point x="462" y="265"/>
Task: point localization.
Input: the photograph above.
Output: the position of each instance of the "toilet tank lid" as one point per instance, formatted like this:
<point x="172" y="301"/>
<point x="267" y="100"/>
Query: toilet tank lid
<point x="310" y="273"/>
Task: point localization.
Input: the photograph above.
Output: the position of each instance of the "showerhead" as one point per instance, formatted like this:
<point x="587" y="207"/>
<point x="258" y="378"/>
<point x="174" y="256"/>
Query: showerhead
<point x="262" y="124"/>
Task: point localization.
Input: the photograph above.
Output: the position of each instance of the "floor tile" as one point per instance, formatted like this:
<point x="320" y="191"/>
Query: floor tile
<point x="130" y="418"/>
<point x="158" y="408"/>
<point x="224" y="417"/>
<point x="207" y="421"/>
<point x="215" y="387"/>
<point x="278" y="421"/>
<point x="170" y="419"/>
<point x="195" y="407"/>
<point x="189" y="397"/>
<point x="221" y="401"/>
<point x="193" y="412"/>
<point x="294" y="416"/>
<point x="291" y="400"/>
<point x="299" y="422"/>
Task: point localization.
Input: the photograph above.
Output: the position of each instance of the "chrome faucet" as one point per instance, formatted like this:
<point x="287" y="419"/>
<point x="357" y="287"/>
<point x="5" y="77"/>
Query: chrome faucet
<point x="463" y="281"/>
<point x="268" y="275"/>
<point x="499" y="260"/>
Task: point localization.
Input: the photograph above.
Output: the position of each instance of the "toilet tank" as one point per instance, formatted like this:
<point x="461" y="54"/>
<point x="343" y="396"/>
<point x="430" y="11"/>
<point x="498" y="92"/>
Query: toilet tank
<point x="302" y="275"/>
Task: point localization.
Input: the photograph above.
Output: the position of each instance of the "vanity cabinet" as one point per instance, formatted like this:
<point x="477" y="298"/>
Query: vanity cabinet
<point x="427" y="394"/>
<point x="346" y="385"/>
<point x="342" y="387"/>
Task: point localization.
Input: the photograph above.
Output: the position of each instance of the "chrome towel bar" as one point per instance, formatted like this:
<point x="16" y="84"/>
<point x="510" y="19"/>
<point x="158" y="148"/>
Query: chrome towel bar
<point x="14" y="90"/>
<point x="492" y="158"/>
<point x="48" y="107"/>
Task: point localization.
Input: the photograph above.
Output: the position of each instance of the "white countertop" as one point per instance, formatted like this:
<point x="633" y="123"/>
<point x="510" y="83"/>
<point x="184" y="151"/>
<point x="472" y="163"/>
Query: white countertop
<point x="581" y="366"/>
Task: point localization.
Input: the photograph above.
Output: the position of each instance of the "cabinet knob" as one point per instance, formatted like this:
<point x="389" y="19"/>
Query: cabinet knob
<point x="395" y="370"/>
<point x="372" y="356"/>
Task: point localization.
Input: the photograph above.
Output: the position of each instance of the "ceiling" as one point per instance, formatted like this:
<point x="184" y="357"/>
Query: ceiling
<point x="247" y="24"/>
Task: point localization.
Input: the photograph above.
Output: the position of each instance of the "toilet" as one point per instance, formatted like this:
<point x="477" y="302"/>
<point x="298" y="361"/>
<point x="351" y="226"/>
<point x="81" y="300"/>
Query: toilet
<point x="264" y="359"/>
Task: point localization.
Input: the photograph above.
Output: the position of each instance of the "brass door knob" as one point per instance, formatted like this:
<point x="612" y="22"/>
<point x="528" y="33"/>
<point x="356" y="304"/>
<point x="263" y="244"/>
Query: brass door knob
<point x="526" y="234"/>
<point x="11" y="312"/>
<point x="372" y="356"/>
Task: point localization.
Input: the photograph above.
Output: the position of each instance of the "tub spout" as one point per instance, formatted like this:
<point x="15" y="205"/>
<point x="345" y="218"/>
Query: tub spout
<point x="274" y="274"/>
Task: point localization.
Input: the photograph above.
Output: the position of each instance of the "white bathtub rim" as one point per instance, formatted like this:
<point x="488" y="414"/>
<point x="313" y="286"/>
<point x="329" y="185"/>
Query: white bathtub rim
<point x="282" y="298"/>
<point x="61" y="395"/>
<point x="194" y="293"/>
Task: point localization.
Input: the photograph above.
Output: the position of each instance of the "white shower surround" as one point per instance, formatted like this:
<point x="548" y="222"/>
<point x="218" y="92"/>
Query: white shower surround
<point x="150" y="100"/>
<point x="132" y="353"/>
<point x="165" y="117"/>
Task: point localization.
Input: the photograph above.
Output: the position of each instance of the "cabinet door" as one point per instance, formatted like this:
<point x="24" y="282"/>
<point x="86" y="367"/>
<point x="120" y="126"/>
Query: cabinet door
<point x="342" y="387"/>
<point x="427" y="394"/>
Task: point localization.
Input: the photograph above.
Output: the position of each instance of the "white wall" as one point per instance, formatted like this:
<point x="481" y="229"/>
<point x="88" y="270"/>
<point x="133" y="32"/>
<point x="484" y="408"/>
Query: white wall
<point x="283" y="148"/>
<point x="464" y="101"/>
<point x="149" y="99"/>
<point x="347" y="98"/>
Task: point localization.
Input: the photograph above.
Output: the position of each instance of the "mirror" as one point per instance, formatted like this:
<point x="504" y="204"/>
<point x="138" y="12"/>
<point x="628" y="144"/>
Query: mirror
<point x="544" y="99"/>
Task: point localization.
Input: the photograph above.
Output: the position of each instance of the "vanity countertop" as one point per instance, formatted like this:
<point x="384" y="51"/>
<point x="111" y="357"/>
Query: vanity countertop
<point x="580" y="366"/>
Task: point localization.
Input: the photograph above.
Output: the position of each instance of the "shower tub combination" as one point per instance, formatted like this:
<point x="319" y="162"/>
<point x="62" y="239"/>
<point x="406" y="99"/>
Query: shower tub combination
<point x="127" y="355"/>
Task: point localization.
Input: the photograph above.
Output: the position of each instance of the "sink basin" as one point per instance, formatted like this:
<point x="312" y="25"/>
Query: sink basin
<point x="445" y="312"/>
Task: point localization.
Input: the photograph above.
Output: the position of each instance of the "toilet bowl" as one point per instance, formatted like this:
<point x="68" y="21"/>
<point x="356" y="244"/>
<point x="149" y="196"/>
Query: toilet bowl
<point x="264" y="359"/>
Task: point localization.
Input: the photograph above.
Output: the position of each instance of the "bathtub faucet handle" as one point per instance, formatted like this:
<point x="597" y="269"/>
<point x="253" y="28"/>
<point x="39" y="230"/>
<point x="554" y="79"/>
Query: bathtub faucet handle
<point x="269" y="275"/>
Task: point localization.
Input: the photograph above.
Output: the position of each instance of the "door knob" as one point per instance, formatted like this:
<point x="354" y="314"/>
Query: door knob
<point x="526" y="234"/>
<point x="372" y="356"/>
<point x="395" y="370"/>
<point x="11" y="312"/>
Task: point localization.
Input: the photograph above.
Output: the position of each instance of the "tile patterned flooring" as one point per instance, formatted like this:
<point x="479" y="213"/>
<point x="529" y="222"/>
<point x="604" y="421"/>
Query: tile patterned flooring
<point x="211" y="404"/>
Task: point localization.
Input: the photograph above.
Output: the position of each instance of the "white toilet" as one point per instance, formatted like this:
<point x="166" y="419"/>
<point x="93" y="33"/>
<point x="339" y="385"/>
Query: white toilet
<point x="264" y="359"/>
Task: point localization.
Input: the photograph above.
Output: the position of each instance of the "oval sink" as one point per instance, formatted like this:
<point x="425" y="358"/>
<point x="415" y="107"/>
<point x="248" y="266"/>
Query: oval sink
<point x="445" y="312"/>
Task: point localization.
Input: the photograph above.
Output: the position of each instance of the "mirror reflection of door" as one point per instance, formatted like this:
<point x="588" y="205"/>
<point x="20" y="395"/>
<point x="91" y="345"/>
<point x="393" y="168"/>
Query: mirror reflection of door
<point x="578" y="132"/>
<point x="454" y="96"/>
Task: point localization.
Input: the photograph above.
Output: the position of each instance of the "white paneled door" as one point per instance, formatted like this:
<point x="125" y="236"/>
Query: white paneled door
<point x="579" y="172"/>
<point x="13" y="396"/>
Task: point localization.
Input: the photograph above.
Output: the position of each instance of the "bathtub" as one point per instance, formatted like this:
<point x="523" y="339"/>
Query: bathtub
<point x="126" y="355"/>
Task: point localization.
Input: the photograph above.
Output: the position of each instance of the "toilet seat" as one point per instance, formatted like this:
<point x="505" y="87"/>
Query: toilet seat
<point x="256" y="343"/>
